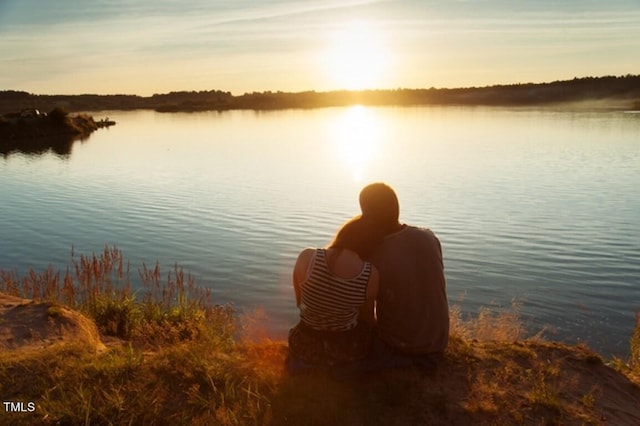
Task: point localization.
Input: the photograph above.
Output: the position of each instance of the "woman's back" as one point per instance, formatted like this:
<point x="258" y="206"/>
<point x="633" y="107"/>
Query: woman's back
<point x="334" y="290"/>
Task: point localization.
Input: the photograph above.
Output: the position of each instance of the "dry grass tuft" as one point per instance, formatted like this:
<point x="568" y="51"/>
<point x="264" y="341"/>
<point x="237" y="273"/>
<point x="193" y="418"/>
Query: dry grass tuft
<point x="635" y="346"/>
<point x="491" y="324"/>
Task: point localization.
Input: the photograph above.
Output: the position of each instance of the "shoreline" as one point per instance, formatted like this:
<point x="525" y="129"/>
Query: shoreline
<point x="99" y="352"/>
<point x="215" y="376"/>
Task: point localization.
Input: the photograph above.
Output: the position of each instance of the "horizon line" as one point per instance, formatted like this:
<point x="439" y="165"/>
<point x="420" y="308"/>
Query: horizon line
<point x="330" y="91"/>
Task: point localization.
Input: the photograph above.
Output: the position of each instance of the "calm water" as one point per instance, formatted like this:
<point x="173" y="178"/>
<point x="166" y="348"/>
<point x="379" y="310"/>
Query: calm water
<point x="537" y="206"/>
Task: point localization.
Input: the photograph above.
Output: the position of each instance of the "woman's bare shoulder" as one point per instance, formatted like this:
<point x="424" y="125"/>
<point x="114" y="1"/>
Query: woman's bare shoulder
<point x="305" y="257"/>
<point x="301" y="268"/>
<point x="306" y="253"/>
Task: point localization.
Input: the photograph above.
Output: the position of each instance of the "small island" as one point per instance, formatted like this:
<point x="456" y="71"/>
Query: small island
<point x="31" y="130"/>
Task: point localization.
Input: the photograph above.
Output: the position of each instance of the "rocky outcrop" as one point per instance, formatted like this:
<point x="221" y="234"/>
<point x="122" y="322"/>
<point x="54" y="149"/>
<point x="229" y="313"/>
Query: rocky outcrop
<point x="31" y="325"/>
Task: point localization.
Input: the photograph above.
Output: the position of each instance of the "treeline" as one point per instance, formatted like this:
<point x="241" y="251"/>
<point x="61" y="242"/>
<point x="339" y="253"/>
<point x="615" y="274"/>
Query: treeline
<point x="12" y="101"/>
<point x="625" y="89"/>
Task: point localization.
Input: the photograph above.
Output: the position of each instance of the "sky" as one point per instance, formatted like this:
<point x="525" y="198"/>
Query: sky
<point x="156" y="46"/>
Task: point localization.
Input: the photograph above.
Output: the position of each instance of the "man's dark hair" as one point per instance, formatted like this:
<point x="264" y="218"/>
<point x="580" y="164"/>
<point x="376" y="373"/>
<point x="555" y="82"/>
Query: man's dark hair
<point x="379" y="203"/>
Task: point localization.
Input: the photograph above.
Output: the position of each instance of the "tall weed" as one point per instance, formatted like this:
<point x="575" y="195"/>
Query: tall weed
<point x="635" y="347"/>
<point x="165" y="309"/>
<point x="490" y="324"/>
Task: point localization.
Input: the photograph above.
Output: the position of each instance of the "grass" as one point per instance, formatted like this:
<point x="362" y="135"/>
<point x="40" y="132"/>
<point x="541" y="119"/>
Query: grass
<point x="183" y="360"/>
<point x="632" y="367"/>
<point x="635" y="346"/>
<point x="168" y="308"/>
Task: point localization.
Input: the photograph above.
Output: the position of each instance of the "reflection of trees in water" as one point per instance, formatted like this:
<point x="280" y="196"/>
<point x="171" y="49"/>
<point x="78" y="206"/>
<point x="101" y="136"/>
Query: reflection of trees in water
<point x="60" y="145"/>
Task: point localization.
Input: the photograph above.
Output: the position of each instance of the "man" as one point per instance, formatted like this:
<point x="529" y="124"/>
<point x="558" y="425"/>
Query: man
<point x="412" y="307"/>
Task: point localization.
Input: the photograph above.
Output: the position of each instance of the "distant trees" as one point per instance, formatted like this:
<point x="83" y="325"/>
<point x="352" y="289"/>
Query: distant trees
<point x="587" y="88"/>
<point x="15" y="94"/>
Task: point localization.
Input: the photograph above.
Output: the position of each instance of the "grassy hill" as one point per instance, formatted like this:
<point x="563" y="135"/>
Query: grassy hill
<point x="172" y="357"/>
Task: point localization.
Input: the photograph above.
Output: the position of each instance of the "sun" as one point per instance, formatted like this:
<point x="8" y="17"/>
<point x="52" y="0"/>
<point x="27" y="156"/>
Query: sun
<point x="357" y="58"/>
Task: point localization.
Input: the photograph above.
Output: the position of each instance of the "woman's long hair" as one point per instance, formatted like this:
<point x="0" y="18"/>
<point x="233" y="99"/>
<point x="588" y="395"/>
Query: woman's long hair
<point x="360" y="235"/>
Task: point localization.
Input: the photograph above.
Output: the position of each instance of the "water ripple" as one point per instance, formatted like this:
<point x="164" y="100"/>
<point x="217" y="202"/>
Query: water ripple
<point x="550" y="220"/>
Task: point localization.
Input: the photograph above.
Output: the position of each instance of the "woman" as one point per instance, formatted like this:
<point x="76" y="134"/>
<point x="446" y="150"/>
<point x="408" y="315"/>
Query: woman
<point x="335" y="292"/>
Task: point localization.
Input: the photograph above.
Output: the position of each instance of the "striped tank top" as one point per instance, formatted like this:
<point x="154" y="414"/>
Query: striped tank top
<point x="329" y="302"/>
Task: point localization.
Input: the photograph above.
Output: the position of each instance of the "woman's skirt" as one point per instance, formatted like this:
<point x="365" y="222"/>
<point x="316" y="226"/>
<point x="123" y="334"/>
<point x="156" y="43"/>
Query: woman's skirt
<point x="329" y="348"/>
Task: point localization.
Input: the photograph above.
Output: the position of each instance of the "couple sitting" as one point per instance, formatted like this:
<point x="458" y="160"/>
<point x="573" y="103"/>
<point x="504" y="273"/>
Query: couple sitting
<point x="375" y="298"/>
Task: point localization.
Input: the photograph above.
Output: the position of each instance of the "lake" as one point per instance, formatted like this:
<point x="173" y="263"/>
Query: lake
<point x="540" y="207"/>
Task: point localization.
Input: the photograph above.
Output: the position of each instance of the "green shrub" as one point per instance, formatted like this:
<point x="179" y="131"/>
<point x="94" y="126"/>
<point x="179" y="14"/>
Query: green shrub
<point x="58" y="115"/>
<point x="116" y="316"/>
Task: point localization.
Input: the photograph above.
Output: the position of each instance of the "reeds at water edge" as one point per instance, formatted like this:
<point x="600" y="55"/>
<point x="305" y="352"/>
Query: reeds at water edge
<point x="164" y="307"/>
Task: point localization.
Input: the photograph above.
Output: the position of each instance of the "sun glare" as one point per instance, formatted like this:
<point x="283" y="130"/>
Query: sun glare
<point x="357" y="135"/>
<point x="357" y="58"/>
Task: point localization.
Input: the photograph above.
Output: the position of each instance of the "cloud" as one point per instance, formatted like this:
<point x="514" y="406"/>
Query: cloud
<point x="260" y="39"/>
